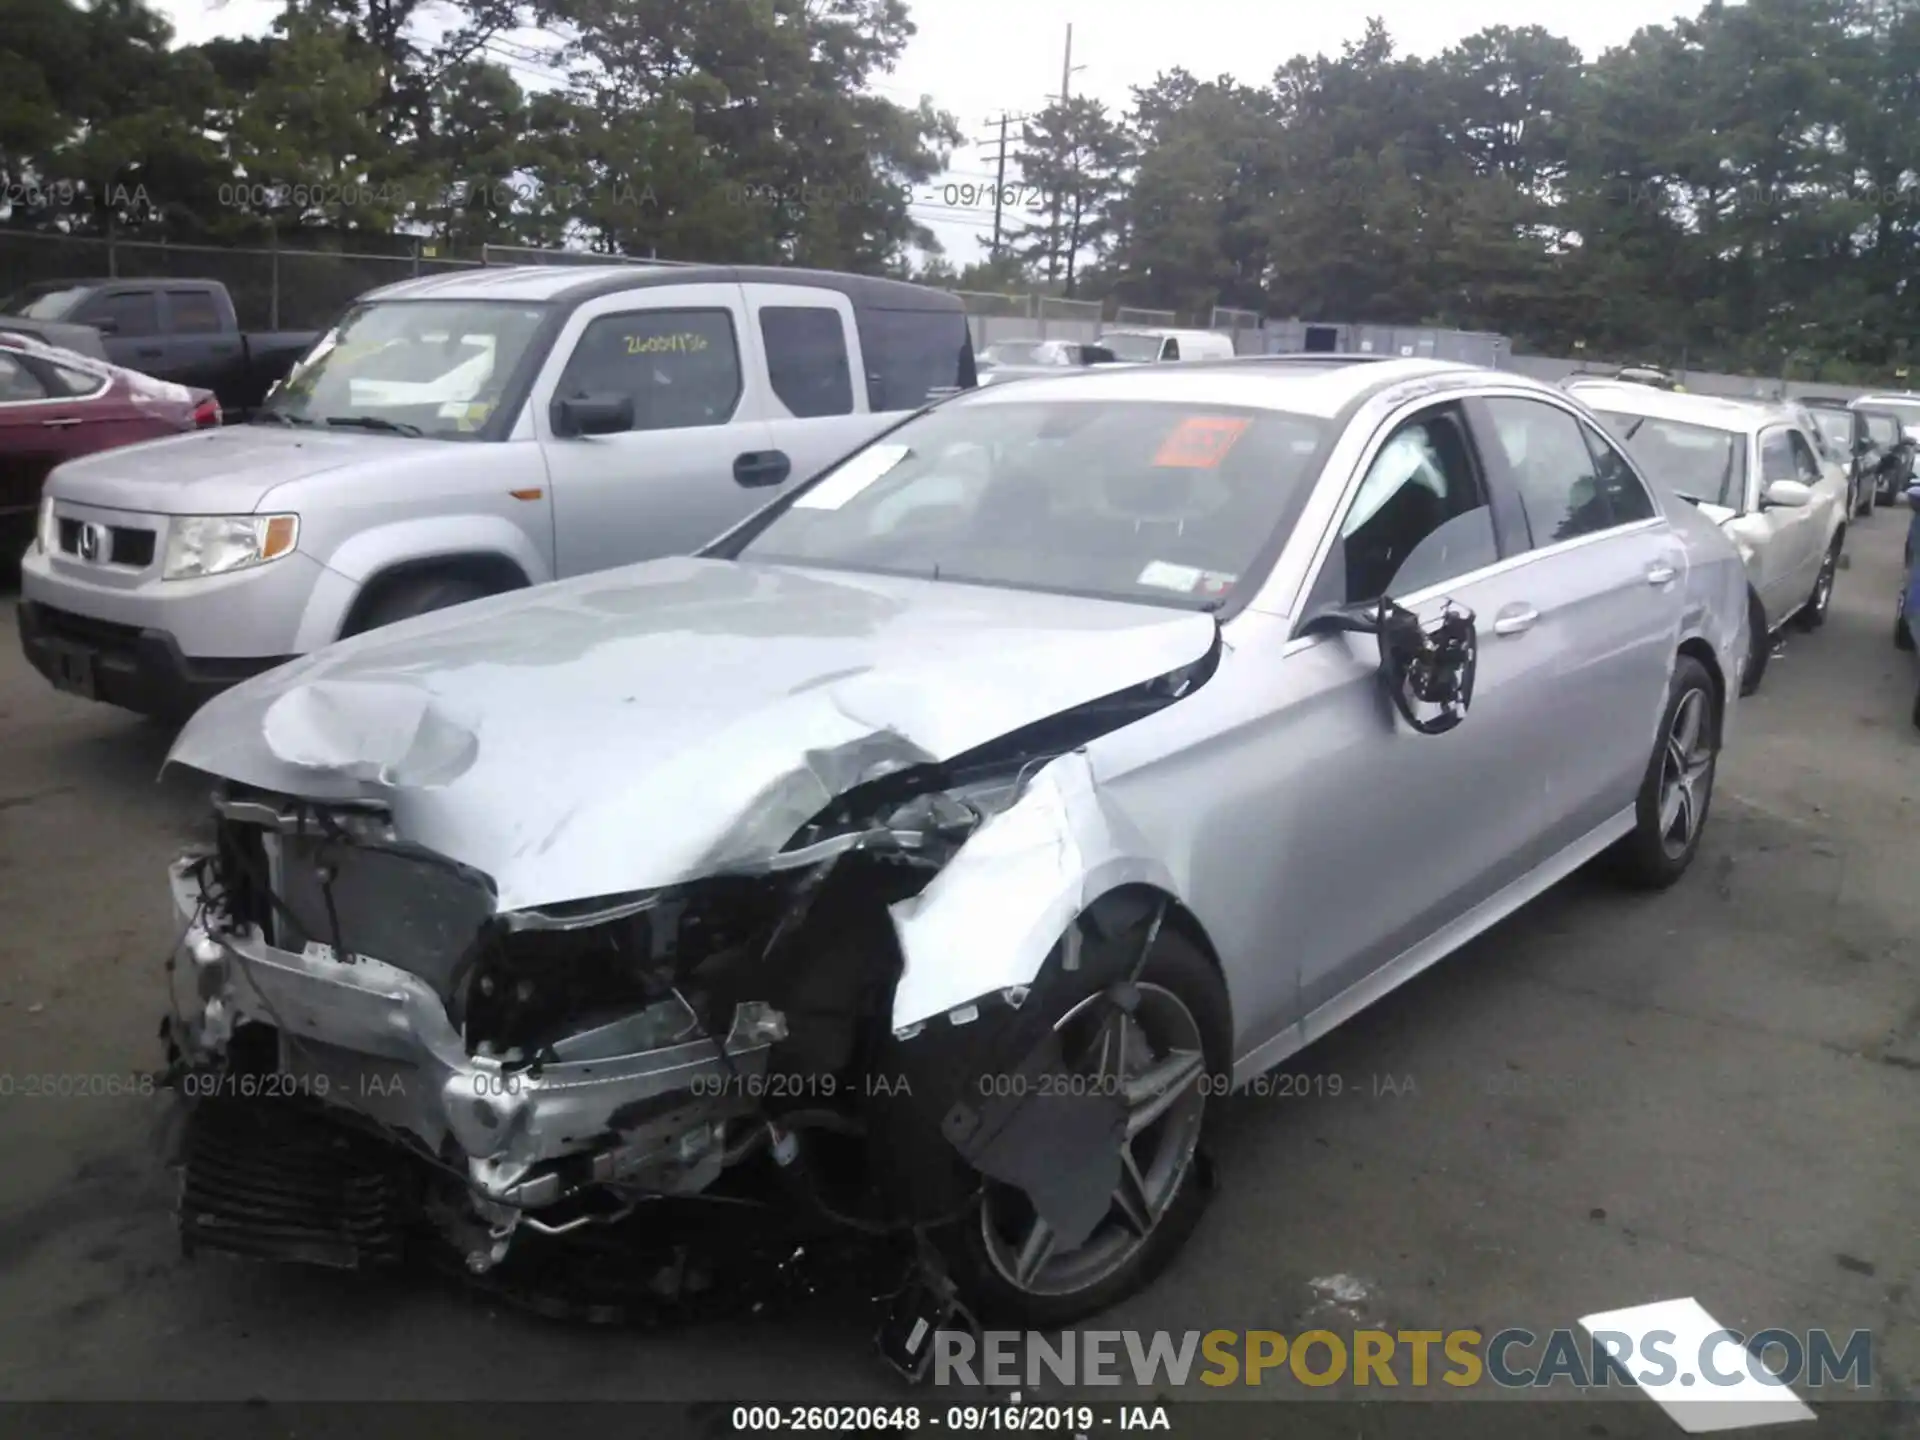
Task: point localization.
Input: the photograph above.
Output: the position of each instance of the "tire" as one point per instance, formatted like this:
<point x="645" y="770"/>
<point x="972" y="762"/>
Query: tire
<point x="1759" y="645"/>
<point x="418" y="595"/>
<point x="1175" y="967"/>
<point x="1813" y="614"/>
<point x="1653" y="856"/>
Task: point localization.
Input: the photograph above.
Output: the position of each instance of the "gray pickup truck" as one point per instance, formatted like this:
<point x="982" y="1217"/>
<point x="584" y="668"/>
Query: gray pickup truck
<point x="461" y="435"/>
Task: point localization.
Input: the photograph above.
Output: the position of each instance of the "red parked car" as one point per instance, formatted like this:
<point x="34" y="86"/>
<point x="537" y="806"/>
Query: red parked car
<point x="55" y="404"/>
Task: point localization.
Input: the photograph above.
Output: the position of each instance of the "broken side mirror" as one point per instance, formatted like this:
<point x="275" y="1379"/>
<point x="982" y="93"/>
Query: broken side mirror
<point x="591" y="415"/>
<point x="1428" y="666"/>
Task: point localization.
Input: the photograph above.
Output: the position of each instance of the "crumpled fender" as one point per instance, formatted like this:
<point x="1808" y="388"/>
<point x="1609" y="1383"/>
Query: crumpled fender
<point x="989" y="919"/>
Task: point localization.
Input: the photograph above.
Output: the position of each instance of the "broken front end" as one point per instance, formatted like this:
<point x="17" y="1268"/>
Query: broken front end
<point x="378" y="1063"/>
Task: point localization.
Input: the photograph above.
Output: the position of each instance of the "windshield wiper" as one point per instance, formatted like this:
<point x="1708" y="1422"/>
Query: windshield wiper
<point x="374" y="422"/>
<point x="276" y="417"/>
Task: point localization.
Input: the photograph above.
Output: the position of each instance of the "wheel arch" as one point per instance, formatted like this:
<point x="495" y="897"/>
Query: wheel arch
<point x="490" y="568"/>
<point x="1697" y="648"/>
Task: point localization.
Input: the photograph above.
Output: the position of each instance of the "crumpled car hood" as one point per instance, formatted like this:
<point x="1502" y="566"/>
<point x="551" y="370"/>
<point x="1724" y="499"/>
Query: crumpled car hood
<point x="666" y="721"/>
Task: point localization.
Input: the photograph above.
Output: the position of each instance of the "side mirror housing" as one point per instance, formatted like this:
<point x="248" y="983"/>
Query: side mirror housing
<point x="1787" y="495"/>
<point x="591" y="415"/>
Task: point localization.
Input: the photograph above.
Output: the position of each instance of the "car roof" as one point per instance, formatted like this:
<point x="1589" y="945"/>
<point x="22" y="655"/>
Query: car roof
<point x="571" y="284"/>
<point x="1716" y="412"/>
<point x="1321" y="386"/>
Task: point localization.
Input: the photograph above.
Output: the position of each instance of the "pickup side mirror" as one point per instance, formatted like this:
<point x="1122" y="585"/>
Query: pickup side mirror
<point x="1787" y="495"/>
<point x="1428" y="668"/>
<point x="591" y="415"/>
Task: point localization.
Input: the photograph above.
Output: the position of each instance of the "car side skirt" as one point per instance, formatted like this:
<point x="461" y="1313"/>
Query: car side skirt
<point x="1436" y="947"/>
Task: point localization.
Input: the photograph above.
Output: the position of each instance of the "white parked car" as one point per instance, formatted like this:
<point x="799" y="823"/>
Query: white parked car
<point x="1757" y="471"/>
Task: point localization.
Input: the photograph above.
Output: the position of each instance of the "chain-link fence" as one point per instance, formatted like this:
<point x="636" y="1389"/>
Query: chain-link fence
<point x="276" y="287"/>
<point x="1134" y="315"/>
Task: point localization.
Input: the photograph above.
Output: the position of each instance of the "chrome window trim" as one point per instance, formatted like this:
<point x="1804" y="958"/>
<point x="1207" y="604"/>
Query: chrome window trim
<point x="1289" y="583"/>
<point x="1503" y="566"/>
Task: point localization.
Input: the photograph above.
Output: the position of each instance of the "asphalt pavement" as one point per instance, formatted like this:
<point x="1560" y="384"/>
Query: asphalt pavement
<point x="1608" y="1100"/>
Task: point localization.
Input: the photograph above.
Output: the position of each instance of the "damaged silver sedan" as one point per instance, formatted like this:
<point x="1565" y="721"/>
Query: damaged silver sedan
<point x="927" y="858"/>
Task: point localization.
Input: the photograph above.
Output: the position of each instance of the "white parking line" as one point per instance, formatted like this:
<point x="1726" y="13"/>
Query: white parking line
<point x="1666" y="1347"/>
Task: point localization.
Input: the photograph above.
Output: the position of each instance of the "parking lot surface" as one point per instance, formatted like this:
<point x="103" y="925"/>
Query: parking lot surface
<point x="1608" y="1100"/>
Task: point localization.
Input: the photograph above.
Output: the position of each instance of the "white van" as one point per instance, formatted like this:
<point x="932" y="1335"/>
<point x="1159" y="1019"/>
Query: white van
<point x="1133" y="347"/>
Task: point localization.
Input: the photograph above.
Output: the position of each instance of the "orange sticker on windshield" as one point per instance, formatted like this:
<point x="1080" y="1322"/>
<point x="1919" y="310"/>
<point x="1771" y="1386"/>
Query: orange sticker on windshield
<point x="1200" y="442"/>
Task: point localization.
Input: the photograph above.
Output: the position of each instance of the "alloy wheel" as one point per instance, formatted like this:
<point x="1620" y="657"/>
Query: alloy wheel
<point x="1686" y="773"/>
<point x="1155" y="1060"/>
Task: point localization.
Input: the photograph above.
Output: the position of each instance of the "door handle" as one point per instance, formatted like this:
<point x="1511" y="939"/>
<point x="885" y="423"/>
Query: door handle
<point x="760" y="468"/>
<point x="1515" y="620"/>
<point x="63" y="424"/>
<point x="1660" y="574"/>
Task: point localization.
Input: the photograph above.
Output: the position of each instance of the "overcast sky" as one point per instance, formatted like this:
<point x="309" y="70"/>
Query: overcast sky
<point x="979" y="57"/>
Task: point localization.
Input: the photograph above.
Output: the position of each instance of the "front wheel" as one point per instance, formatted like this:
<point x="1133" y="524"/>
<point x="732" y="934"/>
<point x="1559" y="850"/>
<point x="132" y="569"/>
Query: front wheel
<point x="1169" y="1058"/>
<point x="1670" y="812"/>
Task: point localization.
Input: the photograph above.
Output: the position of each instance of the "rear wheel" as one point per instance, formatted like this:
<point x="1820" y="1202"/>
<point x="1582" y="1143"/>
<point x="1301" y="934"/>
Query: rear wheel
<point x="1759" y="645"/>
<point x="1671" y="811"/>
<point x="417" y="595"/>
<point x="1169" y="1056"/>
<point x="1814" y="613"/>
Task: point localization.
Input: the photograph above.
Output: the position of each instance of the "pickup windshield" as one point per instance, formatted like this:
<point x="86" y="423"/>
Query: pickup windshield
<point x="409" y="367"/>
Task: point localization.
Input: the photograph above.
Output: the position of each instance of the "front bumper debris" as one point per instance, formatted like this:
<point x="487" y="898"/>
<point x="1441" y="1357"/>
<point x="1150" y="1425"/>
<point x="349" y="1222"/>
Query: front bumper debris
<point x="376" y="1039"/>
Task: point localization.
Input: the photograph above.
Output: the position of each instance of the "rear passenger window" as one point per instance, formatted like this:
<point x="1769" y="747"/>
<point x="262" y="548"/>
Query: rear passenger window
<point x="193" y="312"/>
<point x="682" y="367"/>
<point x="1627" y="498"/>
<point x="1554" y="471"/>
<point x="807" y="359"/>
<point x="914" y="356"/>
<point x="127" y="312"/>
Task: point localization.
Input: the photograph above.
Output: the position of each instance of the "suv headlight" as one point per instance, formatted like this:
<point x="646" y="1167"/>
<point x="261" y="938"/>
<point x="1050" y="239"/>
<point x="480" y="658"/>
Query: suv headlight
<point x="44" y="539"/>
<point x="215" y="544"/>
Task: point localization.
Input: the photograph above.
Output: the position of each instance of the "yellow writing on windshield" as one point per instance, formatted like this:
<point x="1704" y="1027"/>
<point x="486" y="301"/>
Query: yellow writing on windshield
<point x="685" y="343"/>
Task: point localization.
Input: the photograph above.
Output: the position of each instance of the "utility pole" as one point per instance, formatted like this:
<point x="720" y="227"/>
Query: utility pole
<point x="1066" y="85"/>
<point x="999" y="183"/>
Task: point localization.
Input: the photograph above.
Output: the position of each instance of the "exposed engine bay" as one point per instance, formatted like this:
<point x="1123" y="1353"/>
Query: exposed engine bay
<point x="590" y="1104"/>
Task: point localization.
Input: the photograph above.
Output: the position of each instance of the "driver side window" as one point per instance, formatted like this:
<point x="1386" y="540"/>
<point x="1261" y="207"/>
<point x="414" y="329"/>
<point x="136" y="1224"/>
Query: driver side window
<point x="1171" y="350"/>
<point x="1419" y="518"/>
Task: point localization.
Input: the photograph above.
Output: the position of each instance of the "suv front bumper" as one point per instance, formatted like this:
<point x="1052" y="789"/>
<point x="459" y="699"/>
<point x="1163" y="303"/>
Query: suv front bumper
<point x="137" y="669"/>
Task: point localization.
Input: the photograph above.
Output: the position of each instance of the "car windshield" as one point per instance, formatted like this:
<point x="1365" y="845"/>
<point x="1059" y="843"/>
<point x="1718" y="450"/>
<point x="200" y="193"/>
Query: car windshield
<point x="433" y="367"/>
<point x="49" y="300"/>
<point x="1132" y="347"/>
<point x="1697" y="461"/>
<point x="1907" y="410"/>
<point x="1836" y="428"/>
<point x="1160" y="503"/>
